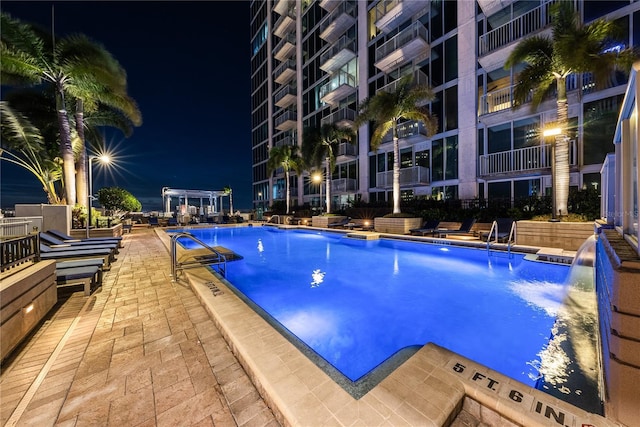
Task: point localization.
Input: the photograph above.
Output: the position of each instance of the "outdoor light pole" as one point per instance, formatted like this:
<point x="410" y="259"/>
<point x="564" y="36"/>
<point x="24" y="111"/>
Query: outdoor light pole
<point x="317" y="177"/>
<point x="90" y="159"/>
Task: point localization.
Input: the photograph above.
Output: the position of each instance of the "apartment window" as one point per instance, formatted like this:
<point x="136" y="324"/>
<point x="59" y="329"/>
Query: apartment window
<point x="259" y="39"/>
<point x="499" y="138"/>
<point x="499" y="190"/>
<point x="437" y="61"/>
<point x="451" y="158"/>
<point x="437" y="109"/>
<point x="636" y="29"/>
<point x="591" y="180"/>
<point x="445" y="192"/>
<point x="373" y="168"/>
<point x="451" y="59"/>
<point x="526" y="188"/>
<point x="406" y="158"/>
<point x="596" y="9"/>
<point x="600" y="119"/>
<point x="450" y="16"/>
<point x="437" y="150"/>
<point x="451" y="108"/>
<point x="480" y="142"/>
<point x="435" y="29"/>
<point x="526" y="132"/>
<point x="422" y="158"/>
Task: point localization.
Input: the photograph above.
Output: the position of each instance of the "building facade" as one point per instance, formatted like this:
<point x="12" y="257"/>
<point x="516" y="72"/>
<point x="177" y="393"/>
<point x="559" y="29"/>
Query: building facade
<point x="314" y="61"/>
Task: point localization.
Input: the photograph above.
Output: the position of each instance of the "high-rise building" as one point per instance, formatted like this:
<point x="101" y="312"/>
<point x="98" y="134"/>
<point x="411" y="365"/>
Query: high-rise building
<point x="313" y="61"/>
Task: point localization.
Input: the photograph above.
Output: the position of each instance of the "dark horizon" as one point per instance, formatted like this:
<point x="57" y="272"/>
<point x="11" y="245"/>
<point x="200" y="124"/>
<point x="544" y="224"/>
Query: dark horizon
<point x="188" y="70"/>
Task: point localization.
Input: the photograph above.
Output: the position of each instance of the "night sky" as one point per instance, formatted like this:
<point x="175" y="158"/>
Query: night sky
<point x="188" y="69"/>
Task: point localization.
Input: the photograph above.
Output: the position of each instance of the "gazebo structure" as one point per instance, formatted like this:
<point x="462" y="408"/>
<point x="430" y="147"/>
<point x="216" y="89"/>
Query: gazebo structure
<point x="212" y="197"/>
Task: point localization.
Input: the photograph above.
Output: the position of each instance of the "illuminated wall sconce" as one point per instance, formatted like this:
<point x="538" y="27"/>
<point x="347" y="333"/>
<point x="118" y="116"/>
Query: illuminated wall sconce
<point x="28" y="309"/>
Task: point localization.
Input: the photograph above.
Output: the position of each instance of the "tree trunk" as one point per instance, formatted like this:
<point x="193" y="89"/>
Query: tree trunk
<point x="82" y="190"/>
<point x="561" y="179"/>
<point x="286" y="188"/>
<point x="396" y="170"/>
<point x="66" y="151"/>
<point x="328" y="186"/>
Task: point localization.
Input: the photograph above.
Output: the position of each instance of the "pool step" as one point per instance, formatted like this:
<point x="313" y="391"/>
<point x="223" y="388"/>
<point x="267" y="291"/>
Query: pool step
<point x="364" y="235"/>
<point x="556" y="255"/>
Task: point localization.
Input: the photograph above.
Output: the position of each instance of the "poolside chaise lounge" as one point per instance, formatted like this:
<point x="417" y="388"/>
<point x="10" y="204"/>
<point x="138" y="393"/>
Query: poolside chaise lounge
<point x="87" y="262"/>
<point x="465" y="228"/>
<point x="103" y="254"/>
<point x="70" y="239"/>
<point x="500" y="231"/>
<point x="428" y="227"/>
<point x="54" y="242"/>
<point x="342" y="223"/>
<point x="79" y="250"/>
<point x="88" y="276"/>
<point x="153" y="221"/>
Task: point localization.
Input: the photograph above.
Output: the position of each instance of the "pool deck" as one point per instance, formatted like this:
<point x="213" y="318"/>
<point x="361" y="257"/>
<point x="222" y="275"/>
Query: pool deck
<point x="143" y="350"/>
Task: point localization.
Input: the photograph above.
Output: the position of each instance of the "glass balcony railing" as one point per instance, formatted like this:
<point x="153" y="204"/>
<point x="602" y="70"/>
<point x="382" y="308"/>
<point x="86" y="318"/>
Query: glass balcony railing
<point x="285" y="96"/>
<point x="390" y="13"/>
<point x="284" y="71"/>
<point x="285" y="47"/>
<point x="343" y="185"/>
<point x="419" y="78"/>
<point x="344" y="116"/>
<point x="416" y="175"/>
<point x="406" y="130"/>
<point x="338" y="81"/>
<point x="404" y="46"/>
<point x="522" y="160"/>
<point x="343" y="51"/>
<point x="337" y="22"/>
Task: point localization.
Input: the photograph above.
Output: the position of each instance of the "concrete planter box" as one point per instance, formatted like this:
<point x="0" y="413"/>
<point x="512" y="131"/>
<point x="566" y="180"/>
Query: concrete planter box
<point x="27" y="296"/>
<point x="115" y="231"/>
<point x="396" y="225"/>
<point x="324" y="221"/>
<point x="566" y="235"/>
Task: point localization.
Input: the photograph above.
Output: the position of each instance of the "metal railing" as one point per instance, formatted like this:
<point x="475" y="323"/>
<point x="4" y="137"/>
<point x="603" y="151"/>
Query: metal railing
<point x="342" y="185"/>
<point x="344" y="8"/>
<point x="14" y="252"/>
<point x="284" y="91"/>
<point x="494" y="232"/>
<point x="517" y="28"/>
<point x="408" y="176"/>
<point x="289" y="64"/>
<point x="346" y="149"/>
<point x="343" y="114"/>
<point x="337" y="80"/>
<point x="419" y="78"/>
<point x="522" y="159"/>
<point x="215" y="260"/>
<point x="20" y="226"/>
<point x="404" y="37"/>
<point x="406" y="130"/>
<point x="286" y="116"/>
<point x="343" y="43"/>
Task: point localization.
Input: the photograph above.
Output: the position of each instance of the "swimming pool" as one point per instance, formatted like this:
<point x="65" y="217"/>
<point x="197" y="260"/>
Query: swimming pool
<point x="356" y="303"/>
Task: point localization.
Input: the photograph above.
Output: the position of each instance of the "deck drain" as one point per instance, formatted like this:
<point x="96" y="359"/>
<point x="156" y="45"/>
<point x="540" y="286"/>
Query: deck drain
<point x="214" y="289"/>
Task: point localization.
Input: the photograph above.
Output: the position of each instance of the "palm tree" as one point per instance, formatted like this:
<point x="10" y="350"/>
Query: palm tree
<point x="572" y="48"/>
<point x="387" y="109"/>
<point x="287" y="158"/>
<point x="74" y="66"/>
<point x="320" y="145"/>
<point x="28" y="151"/>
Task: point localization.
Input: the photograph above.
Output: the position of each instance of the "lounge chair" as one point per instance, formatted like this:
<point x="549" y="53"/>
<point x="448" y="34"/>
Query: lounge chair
<point x="70" y="239"/>
<point x="87" y="276"/>
<point x="54" y="242"/>
<point x="153" y="221"/>
<point x="104" y="254"/>
<point x="342" y="223"/>
<point x="428" y="227"/>
<point x="500" y="231"/>
<point x="82" y="250"/>
<point x="87" y="262"/>
<point x="465" y="228"/>
<point x="172" y="222"/>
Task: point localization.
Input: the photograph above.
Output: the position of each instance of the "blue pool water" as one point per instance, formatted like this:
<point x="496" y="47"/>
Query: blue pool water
<point x="356" y="303"/>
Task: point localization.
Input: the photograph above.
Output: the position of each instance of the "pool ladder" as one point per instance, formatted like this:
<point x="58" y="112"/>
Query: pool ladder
<point x="216" y="260"/>
<point x="494" y="233"/>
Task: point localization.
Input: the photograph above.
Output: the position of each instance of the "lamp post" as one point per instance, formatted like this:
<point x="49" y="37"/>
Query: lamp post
<point x="104" y="159"/>
<point x="317" y="178"/>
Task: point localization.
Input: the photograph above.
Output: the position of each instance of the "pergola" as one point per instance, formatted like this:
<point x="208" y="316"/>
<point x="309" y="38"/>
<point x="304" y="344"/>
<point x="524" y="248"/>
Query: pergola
<point x="210" y="195"/>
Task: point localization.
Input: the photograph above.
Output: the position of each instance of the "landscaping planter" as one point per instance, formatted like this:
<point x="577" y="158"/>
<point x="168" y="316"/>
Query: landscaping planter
<point x="396" y="225"/>
<point x="81" y="233"/>
<point x="324" y="221"/>
<point x="565" y="235"/>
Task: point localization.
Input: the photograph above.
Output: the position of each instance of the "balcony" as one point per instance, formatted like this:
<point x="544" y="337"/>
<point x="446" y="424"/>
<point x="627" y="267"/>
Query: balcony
<point x="329" y="5"/>
<point x="342" y="117"/>
<point x="522" y="160"/>
<point x="416" y="175"/>
<point x="285" y="71"/>
<point x="489" y="54"/>
<point x="287" y="140"/>
<point x="346" y="151"/>
<point x="407" y="130"/>
<point x="339" y="54"/>
<point x="489" y="7"/>
<point x="343" y="185"/>
<point x="287" y="120"/>
<point x="285" y="48"/>
<point x="419" y="78"/>
<point x="285" y="24"/>
<point x="285" y="96"/>
<point x="390" y="13"/>
<point x="337" y="22"/>
<point x="281" y="7"/>
<point x="402" y="47"/>
<point x="339" y="87"/>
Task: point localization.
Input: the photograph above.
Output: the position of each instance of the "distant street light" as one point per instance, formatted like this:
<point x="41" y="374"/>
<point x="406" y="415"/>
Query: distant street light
<point x="103" y="159"/>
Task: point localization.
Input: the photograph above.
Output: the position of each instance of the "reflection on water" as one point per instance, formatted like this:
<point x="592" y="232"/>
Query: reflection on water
<point x="318" y="278"/>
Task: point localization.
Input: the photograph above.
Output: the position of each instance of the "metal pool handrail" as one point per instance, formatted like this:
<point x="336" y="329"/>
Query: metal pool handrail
<point x="219" y="260"/>
<point x="512" y="236"/>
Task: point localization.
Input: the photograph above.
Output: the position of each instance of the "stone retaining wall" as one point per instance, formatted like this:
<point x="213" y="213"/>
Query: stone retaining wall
<point x="564" y="235"/>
